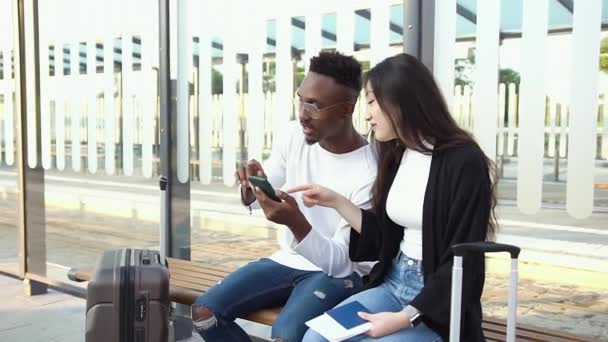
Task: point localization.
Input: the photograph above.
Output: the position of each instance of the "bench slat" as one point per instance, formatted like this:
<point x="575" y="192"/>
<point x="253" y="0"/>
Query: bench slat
<point x="530" y="331"/>
<point x="201" y="285"/>
<point x="179" y="263"/>
<point x="195" y="277"/>
<point x="190" y="286"/>
<point x="197" y="270"/>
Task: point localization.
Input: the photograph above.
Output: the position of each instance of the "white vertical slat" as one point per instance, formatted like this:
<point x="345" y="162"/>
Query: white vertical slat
<point x="205" y="114"/>
<point x="445" y="36"/>
<point x="466" y="104"/>
<point x="502" y="106"/>
<point x="255" y="119"/>
<point x="9" y="117"/>
<point x="148" y="103"/>
<point x="563" y="131"/>
<point x="511" y="119"/>
<point x="230" y="116"/>
<point x="60" y="112"/>
<point x="552" y="131"/>
<point x="76" y="100"/>
<point x="184" y="70"/>
<point x="532" y="106"/>
<point x="346" y="29"/>
<point x="9" y="126"/>
<point x="45" y="108"/>
<point x="109" y="106"/>
<point x="30" y="94"/>
<point x="486" y="75"/>
<point x="582" y="145"/>
<point x="458" y="104"/>
<point x="128" y="108"/>
<point x="284" y="76"/>
<point x="3" y="86"/>
<point x="92" y="107"/>
<point x="312" y="36"/>
<point x="269" y="107"/>
<point x="605" y="128"/>
<point x="380" y="32"/>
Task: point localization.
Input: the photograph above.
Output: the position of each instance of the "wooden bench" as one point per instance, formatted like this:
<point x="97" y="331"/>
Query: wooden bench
<point x="190" y="279"/>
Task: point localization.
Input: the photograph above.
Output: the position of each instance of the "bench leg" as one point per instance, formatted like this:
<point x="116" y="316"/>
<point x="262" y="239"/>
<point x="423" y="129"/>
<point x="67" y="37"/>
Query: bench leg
<point x="181" y="321"/>
<point x="171" y="331"/>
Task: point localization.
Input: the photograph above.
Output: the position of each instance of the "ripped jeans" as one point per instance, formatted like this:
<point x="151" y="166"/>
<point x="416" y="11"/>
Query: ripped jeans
<point x="266" y="284"/>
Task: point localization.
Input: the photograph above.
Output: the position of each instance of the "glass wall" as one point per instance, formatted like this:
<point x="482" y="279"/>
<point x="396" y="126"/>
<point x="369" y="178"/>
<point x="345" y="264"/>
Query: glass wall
<point x="223" y="105"/>
<point x="99" y="129"/>
<point x="559" y="259"/>
<point x="241" y="91"/>
<point x="8" y="174"/>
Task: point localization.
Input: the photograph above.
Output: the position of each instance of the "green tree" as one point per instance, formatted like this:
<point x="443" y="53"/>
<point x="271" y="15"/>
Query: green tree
<point x="604" y="55"/>
<point x="508" y="76"/>
<point x="217" y="82"/>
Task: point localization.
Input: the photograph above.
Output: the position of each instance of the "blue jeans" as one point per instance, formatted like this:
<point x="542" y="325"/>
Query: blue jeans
<point x="403" y="282"/>
<point x="265" y="284"/>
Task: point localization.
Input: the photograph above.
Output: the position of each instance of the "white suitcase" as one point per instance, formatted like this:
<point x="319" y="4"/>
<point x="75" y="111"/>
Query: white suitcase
<point x="460" y="251"/>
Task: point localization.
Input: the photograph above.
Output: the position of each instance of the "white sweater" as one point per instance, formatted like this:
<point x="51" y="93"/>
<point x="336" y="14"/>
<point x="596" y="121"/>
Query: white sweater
<point x="405" y="201"/>
<point x="294" y="162"/>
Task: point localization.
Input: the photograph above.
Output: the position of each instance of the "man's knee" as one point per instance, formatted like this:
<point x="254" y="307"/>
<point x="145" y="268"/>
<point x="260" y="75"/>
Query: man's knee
<point x="203" y="318"/>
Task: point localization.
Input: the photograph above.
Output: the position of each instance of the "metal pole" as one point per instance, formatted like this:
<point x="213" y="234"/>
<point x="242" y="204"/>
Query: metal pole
<point x="165" y="237"/>
<point x="165" y="117"/>
<point x="411" y="27"/>
<point x="32" y="234"/>
<point x="176" y="219"/>
<point x="427" y="34"/>
<point x="419" y="30"/>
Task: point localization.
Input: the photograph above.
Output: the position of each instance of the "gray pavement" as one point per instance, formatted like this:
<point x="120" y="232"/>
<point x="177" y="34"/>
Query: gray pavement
<point x="53" y="317"/>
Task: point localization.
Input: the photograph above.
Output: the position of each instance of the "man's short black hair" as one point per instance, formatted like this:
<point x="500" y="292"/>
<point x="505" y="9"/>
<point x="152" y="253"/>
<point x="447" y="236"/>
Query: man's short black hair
<point x="345" y="70"/>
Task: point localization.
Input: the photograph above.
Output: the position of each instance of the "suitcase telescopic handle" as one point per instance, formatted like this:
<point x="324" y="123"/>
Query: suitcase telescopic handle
<point x="485" y="247"/>
<point x="162" y="183"/>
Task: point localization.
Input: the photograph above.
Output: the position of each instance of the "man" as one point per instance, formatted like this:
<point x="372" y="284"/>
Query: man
<point x="311" y="272"/>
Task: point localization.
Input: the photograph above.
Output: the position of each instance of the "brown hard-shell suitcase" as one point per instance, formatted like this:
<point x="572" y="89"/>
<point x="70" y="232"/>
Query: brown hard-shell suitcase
<point x="128" y="298"/>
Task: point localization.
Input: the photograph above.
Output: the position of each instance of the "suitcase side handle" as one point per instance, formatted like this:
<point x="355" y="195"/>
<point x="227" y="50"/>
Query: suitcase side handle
<point x="485" y="247"/>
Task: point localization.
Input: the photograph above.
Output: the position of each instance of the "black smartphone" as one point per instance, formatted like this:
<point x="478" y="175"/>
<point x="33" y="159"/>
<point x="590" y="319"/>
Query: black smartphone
<point x="266" y="187"/>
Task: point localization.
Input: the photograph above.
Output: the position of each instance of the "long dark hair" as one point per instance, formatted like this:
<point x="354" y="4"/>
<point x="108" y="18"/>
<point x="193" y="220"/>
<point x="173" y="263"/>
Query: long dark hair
<point x="408" y="94"/>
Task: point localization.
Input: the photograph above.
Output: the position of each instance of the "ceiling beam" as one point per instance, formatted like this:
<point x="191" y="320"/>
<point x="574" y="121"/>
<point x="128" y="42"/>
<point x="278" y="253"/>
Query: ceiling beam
<point x="567" y="4"/>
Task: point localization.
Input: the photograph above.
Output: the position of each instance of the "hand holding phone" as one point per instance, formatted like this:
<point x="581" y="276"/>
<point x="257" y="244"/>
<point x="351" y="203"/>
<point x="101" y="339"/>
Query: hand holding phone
<point x="252" y="168"/>
<point x="265" y="186"/>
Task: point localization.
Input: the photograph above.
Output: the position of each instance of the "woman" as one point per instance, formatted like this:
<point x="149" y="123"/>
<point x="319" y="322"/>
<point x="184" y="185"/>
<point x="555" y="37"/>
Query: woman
<point x="434" y="189"/>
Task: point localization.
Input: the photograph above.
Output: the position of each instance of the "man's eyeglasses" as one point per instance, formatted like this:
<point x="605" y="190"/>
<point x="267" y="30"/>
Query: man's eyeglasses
<point x="314" y="112"/>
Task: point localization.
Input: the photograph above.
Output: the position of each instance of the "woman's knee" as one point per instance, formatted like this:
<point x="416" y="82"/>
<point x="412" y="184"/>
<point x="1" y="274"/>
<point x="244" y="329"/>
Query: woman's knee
<point x="313" y="336"/>
<point x="287" y="331"/>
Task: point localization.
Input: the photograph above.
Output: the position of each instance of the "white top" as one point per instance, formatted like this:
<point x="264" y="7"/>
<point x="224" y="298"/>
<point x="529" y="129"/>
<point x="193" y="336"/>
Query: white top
<point x="406" y="200"/>
<point x="294" y="162"/>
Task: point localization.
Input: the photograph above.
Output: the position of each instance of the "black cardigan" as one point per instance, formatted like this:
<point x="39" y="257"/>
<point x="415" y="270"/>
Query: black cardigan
<point x="456" y="209"/>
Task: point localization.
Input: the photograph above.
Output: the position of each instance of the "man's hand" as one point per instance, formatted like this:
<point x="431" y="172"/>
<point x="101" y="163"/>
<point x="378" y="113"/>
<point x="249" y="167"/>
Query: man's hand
<point x="252" y="168"/>
<point x="386" y="323"/>
<point x="285" y="212"/>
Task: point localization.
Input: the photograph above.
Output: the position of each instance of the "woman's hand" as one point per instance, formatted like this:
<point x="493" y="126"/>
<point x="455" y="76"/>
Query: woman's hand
<point x="386" y="323"/>
<point x="313" y="194"/>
